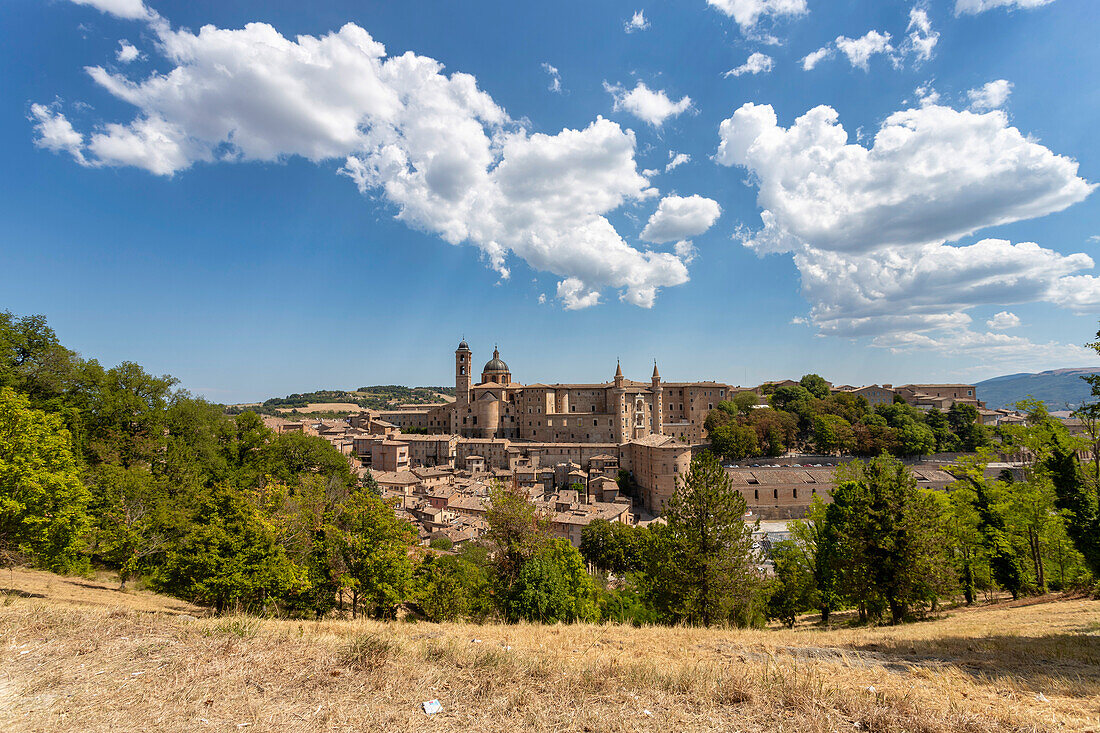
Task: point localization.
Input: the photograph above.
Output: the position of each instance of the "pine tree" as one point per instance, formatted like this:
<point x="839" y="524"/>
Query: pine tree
<point x="709" y="571"/>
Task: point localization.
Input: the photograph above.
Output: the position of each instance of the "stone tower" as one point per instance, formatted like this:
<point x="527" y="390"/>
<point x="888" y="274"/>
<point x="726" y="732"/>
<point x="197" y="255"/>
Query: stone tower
<point x="657" y="413"/>
<point x="618" y="395"/>
<point x="462" y="373"/>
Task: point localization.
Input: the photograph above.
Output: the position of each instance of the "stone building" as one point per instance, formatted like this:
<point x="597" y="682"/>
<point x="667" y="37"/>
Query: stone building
<point x="612" y="412"/>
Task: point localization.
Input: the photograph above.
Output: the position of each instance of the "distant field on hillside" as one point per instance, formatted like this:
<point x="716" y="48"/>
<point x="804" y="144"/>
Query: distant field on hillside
<point x="324" y="407"/>
<point x="72" y="665"/>
<point x="332" y="401"/>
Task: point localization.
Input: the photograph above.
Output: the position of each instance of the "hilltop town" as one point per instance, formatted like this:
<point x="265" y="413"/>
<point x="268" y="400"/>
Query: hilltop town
<point x="610" y="450"/>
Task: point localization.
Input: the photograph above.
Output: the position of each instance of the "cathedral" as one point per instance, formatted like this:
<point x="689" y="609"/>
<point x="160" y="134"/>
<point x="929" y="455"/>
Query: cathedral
<point x="609" y="412"/>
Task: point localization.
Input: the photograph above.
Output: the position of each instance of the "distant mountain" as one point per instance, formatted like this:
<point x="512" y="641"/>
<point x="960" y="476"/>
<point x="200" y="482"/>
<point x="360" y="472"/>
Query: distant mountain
<point x="1060" y="389"/>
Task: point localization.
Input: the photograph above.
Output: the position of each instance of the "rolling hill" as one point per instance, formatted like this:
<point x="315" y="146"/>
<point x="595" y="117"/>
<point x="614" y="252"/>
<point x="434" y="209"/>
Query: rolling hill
<point x="1060" y="389"/>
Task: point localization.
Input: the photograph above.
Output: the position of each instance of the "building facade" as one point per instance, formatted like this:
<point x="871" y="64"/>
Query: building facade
<point x="611" y="412"/>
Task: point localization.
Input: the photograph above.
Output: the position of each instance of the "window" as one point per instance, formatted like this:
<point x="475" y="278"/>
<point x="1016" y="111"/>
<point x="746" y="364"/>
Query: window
<point x="775" y="493"/>
<point x="756" y="494"/>
<point x="594" y="422"/>
<point x="794" y="493"/>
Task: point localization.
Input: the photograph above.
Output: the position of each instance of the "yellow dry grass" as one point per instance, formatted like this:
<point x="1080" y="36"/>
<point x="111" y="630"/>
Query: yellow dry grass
<point x="69" y="667"/>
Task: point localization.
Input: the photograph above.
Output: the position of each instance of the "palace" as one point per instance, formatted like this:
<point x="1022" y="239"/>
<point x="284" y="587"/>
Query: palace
<point x="618" y="411"/>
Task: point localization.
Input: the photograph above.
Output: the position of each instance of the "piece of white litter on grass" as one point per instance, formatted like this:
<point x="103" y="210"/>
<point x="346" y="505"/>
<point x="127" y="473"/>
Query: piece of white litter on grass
<point x="431" y="707"/>
<point x="507" y="648"/>
<point x="475" y="641"/>
<point x="648" y="712"/>
<point x="1041" y="697"/>
<point x="871" y="688"/>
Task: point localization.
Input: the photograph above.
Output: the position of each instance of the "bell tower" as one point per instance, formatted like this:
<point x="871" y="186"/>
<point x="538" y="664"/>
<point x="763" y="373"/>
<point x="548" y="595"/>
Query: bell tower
<point x="462" y="373"/>
<point x="657" y="411"/>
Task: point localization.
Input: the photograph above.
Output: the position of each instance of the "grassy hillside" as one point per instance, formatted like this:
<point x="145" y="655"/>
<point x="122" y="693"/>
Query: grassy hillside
<point x="74" y="666"/>
<point x="1060" y="389"/>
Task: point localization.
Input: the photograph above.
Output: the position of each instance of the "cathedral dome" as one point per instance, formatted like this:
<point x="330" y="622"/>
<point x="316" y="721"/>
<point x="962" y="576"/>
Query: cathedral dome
<point x="495" y="365"/>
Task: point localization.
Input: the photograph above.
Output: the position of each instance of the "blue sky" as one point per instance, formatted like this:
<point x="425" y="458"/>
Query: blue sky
<point x="297" y="204"/>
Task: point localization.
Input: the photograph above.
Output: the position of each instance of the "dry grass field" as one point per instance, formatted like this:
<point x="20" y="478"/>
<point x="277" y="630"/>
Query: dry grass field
<point x="94" y="659"/>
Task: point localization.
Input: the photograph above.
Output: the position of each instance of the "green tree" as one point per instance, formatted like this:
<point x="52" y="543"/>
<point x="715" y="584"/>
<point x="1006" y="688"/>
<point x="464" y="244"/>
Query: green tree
<point x="1004" y="560"/>
<point x="832" y="434"/>
<point x="228" y="558"/>
<point x="734" y="442"/>
<point x="42" y="499"/>
<point x="1078" y="501"/>
<point x="815" y="385"/>
<point x="792" y="591"/>
<point x="375" y="545"/>
<point x="553" y="586"/>
<point x="891" y="538"/>
<point x="517" y="531"/>
<point x="451" y="587"/>
<point x="707" y="573"/>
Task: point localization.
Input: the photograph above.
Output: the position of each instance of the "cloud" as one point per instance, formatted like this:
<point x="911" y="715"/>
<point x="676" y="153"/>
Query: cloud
<point x="555" y="77"/>
<point x="860" y="50"/>
<point x="685" y="250"/>
<point x="921" y="40"/>
<point x="973" y="7"/>
<point x="573" y="293"/>
<point x="919" y="44"/>
<point x="680" y="217"/>
<point x="54" y="132"/>
<point x="985" y="351"/>
<point x="637" y="22"/>
<point x="757" y="63"/>
<point x="933" y="285"/>
<point x="652" y="107"/>
<point x="435" y="147"/>
<point x="747" y="13"/>
<point x="675" y="160"/>
<point x="926" y="95"/>
<point x="1002" y="321"/>
<point x="869" y="227"/>
<point x="126" y="52"/>
<point x="812" y="59"/>
<point x="126" y="9"/>
<point x="932" y="174"/>
<point x="991" y="95"/>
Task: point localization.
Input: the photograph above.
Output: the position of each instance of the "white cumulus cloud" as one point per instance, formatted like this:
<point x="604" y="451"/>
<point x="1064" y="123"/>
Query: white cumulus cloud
<point x="675" y="160"/>
<point x="870" y="227"/>
<point x="637" y="22"/>
<point x="126" y="52"/>
<point x="1003" y="320"/>
<point x="680" y="217"/>
<point x="433" y="146"/>
<point x="650" y="106"/>
<point x="922" y="40"/>
<point x="932" y="174"/>
<point x="991" y="95"/>
<point x="973" y="7"/>
<point x="55" y="132"/>
<point x="555" y="77"/>
<point x="812" y="59"/>
<point x="126" y="9"/>
<point x="747" y="13"/>
<point x="757" y="63"/>
<point x="860" y="50"/>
